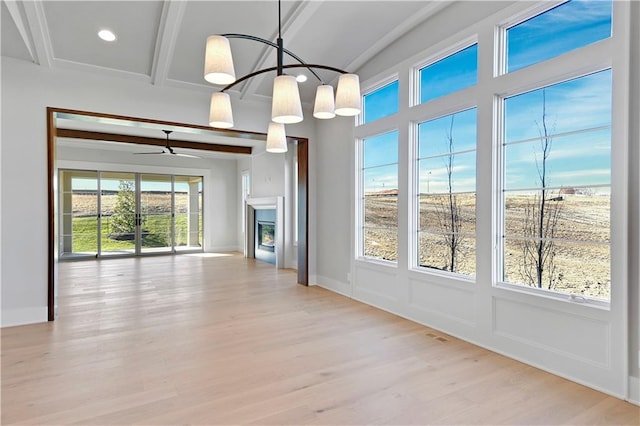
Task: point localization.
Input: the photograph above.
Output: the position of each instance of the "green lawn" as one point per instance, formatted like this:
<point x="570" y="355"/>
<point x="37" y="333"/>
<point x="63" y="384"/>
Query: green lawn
<point x="156" y="233"/>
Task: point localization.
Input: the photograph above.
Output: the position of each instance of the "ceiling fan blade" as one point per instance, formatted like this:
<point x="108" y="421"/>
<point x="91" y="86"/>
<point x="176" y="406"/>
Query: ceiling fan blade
<point x="186" y="155"/>
<point x="148" y="153"/>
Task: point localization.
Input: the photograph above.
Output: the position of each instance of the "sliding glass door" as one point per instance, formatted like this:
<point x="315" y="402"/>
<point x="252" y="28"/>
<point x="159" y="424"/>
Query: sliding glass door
<point x="118" y="216"/>
<point x="188" y="208"/>
<point x="125" y="214"/>
<point x="78" y="213"/>
<point x="156" y="213"/>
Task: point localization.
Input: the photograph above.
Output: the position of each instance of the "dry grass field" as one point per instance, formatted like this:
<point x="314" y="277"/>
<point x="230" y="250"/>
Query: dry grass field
<point x="86" y="204"/>
<point x="581" y="268"/>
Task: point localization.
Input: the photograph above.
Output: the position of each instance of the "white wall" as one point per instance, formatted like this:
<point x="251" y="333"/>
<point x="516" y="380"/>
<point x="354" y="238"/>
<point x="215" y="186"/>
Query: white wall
<point x="477" y="313"/>
<point x="27" y="89"/>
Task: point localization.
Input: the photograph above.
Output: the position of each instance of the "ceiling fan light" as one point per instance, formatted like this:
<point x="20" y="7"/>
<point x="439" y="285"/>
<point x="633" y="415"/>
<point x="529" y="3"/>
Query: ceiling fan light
<point x="218" y="62"/>
<point x="220" y="113"/>
<point x="276" y="138"/>
<point x="286" y="107"/>
<point x="348" y="99"/>
<point x="324" y="106"/>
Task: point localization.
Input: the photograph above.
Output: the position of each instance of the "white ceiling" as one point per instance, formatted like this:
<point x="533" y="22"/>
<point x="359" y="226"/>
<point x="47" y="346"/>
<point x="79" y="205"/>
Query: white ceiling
<point x="162" y="42"/>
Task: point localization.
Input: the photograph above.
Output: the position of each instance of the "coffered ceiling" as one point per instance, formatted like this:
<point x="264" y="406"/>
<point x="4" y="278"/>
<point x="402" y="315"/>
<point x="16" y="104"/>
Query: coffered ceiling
<point x="162" y="42"/>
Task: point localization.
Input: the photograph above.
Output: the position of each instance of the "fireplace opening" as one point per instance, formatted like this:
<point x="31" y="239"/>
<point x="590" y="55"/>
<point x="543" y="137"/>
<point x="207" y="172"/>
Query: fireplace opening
<point x="266" y="236"/>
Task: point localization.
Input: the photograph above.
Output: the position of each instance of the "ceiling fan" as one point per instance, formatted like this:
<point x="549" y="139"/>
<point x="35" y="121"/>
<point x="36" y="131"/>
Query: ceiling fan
<point x="167" y="150"/>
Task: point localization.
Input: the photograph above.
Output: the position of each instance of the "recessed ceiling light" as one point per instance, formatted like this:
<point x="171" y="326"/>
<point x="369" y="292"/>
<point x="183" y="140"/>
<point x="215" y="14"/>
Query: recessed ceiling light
<point x="106" y="35"/>
<point x="301" y="78"/>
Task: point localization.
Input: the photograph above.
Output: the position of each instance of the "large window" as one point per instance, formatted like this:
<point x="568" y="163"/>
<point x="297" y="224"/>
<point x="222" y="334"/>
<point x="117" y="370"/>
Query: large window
<point x="557" y="175"/>
<point x="379" y="202"/>
<point x="567" y="27"/>
<point x="446" y="192"/>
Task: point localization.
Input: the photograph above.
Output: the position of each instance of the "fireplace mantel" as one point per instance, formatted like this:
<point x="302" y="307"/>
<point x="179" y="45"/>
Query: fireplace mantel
<point x="258" y="203"/>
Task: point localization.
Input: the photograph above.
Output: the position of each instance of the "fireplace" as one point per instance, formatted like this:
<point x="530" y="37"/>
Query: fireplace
<point x="266" y="236"/>
<point x="264" y="239"/>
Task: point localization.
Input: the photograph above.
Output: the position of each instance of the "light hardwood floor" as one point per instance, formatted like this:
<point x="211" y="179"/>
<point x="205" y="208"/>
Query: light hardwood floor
<point x="227" y="340"/>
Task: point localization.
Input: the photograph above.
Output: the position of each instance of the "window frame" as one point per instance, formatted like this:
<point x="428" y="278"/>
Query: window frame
<point x="360" y="198"/>
<point x="414" y="264"/>
<point x="570" y="65"/>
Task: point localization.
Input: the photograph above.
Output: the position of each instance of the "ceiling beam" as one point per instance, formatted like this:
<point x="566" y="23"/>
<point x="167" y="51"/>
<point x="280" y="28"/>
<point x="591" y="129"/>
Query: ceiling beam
<point x="34" y="10"/>
<point x="172" y="14"/>
<point x="143" y="140"/>
<point x="14" y="10"/>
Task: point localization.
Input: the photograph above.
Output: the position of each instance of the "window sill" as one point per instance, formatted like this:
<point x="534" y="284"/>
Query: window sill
<point x="558" y="297"/>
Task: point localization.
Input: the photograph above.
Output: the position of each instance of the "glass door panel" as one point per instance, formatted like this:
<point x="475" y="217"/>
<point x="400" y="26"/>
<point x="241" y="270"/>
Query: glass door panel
<point x="78" y="213"/>
<point x="156" y="206"/>
<point x="118" y="213"/>
<point x="188" y="212"/>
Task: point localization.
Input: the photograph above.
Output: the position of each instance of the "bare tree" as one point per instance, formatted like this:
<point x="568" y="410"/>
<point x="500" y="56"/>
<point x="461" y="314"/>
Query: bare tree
<point x="449" y="210"/>
<point x="540" y="226"/>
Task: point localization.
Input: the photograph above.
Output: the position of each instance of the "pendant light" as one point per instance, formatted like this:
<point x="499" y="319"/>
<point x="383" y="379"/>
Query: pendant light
<point x="324" y="106"/>
<point x="286" y="107"/>
<point x="220" y="113"/>
<point x="276" y="138"/>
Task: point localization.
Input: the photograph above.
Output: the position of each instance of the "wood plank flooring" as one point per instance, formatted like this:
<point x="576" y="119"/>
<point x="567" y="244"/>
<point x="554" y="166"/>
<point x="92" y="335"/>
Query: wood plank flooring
<point x="227" y="340"/>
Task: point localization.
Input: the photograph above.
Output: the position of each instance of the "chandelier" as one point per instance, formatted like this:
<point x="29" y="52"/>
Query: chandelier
<point x="286" y="107"/>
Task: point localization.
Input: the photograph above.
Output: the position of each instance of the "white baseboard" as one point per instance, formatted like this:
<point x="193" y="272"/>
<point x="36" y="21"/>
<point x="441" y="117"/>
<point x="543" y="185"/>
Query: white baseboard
<point x="333" y="285"/>
<point x="13" y="317"/>
<point x="218" y="249"/>
<point x="634" y="390"/>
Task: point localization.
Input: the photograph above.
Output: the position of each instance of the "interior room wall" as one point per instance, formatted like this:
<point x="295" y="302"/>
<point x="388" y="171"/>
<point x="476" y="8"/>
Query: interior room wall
<point x="334" y="201"/>
<point x="27" y="90"/>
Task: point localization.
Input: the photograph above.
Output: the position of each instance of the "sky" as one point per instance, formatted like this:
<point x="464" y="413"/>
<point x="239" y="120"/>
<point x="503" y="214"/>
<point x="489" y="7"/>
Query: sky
<point x="578" y="112"/>
<point x="86" y="183"/>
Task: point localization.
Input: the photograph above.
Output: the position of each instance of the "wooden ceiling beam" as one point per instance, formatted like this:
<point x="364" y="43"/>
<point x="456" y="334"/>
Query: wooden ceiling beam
<point x="143" y="140"/>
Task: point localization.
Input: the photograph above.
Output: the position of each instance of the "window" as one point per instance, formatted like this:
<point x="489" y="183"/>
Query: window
<point x="446" y="192"/>
<point x="379" y="199"/>
<point x="381" y="102"/>
<point x="455" y="72"/>
<point x="556" y="187"/>
<point x="571" y="25"/>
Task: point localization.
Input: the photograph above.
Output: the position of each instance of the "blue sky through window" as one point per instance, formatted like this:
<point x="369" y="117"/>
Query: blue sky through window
<point x="566" y="27"/>
<point x="580" y="107"/>
<point x="433" y="150"/>
<point x="448" y="75"/>
<point x="380" y="161"/>
<point x="381" y="102"/>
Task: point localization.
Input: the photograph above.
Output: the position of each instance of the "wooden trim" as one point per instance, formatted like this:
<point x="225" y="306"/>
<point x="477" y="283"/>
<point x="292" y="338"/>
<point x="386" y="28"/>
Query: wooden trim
<point x="143" y="140"/>
<point x="222" y="132"/>
<point x="303" y="211"/>
<point x="51" y="161"/>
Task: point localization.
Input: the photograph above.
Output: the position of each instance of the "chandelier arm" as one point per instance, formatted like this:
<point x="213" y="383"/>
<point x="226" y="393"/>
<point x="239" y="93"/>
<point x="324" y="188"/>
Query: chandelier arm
<point x="303" y="65"/>
<point x="275" y="45"/>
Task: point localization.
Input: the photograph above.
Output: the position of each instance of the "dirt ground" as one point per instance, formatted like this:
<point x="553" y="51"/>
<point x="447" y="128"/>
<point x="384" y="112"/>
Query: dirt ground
<point x="582" y="268"/>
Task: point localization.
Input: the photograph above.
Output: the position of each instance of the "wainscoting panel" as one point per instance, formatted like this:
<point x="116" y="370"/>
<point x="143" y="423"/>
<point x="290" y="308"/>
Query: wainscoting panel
<point x="376" y="286"/>
<point x="441" y="302"/>
<point x="579" y="338"/>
